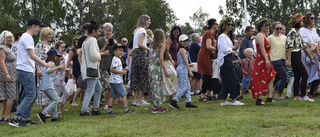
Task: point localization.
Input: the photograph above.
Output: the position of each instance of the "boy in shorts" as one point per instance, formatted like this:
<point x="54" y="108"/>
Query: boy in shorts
<point x="116" y="81"/>
<point x="246" y="67"/>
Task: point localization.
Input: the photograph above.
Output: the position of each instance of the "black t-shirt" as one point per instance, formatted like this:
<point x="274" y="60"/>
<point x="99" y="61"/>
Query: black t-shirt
<point x="80" y="41"/>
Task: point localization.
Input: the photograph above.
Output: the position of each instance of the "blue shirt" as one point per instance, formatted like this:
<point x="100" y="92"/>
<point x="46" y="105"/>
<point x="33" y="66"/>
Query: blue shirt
<point x="193" y="52"/>
<point x="47" y="79"/>
<point x="246" y="43"/>
<point x="314" y="69"/>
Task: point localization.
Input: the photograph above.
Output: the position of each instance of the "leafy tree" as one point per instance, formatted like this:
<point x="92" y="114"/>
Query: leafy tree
<point x="186" y="27"/>
<point x="199" y="18"/>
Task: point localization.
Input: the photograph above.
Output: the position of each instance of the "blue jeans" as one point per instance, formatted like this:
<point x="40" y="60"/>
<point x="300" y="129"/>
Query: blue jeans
<point x="93" y="88"/>
<point x="27" y="80"/>
<point x="52" y="94"/>
<point x="117" y="89"/>
<point x="280" y="68"/>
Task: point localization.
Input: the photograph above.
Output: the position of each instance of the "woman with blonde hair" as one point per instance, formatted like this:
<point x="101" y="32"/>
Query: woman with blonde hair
<point x="41" y="49"/>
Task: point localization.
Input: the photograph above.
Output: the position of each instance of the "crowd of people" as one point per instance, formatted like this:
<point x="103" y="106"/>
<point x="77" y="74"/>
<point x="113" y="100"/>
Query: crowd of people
<point x="218" y="65"/>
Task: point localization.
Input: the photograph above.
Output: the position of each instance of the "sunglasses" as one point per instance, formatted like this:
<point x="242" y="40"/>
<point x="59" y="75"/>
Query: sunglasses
<point x="229" y="24"/>
<point x="278" y="28"/>
<point x="312" y="18"/>
<point x="124" y="41"/>
<point x="266" y="25"/>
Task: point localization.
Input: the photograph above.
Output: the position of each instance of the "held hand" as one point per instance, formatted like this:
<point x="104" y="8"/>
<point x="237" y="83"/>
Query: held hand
<point x="246" y="73"/>
<point x="49" y="65"/>
<point x="67" y="69"/>
<point x="126" y="69"/>
<point x="191" y="74"/>
<point x="107" y="52"/>
<point x="8" y="78"/>
<point x="191" y="65"/>
<point x="288" y="63"/>
<point x="124" y="72"/>
<point x="39" y="72"/>
<point x="268" y="64"/>
<point x="61" y="67"/>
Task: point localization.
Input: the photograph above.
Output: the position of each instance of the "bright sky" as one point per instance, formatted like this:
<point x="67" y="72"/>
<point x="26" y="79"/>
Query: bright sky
<point x="185" y="8"/>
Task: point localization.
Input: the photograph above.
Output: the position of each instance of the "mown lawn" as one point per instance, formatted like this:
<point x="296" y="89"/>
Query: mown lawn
<point x="283" y="118"/>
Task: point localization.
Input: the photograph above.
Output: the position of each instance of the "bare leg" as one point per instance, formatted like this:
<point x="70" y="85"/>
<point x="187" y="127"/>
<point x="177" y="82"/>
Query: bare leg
<point x="75" y="96"/>
<point x="193" y="84"/>
<point x="107" y="95"/>
<point x="124" y="101"/>
<point x="3" y="108"/>
<point x="82" y="96"/>
<point x="270" y="86"/>
<point x="8" y="108"/>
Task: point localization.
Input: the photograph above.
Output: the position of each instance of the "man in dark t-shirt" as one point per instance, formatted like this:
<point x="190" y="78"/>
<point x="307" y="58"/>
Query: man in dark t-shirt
<point x="246" y="41"/>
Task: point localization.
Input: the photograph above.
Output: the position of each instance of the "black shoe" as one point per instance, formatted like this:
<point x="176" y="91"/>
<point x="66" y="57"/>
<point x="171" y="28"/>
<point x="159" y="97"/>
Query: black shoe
<point x="189" y="105"/>
<point x="23" y="124"/>
<point x="55" y="119"/>
<point x="95" y="113"/>
<point x="259" y="102"/>
<point x="31" y="122"/>
<point x="129" y="111"/>
<point x="111" y="112"/>
<point x="42" y="117"/>
<point x="14" y="122"/>
<point x="174" y="104"/>
<point x="270" y="100"/>
<point x="84" y="114"/>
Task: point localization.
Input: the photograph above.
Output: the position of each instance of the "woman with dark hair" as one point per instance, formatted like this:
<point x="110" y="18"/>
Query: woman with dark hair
<point x="308" y="30"/>
<point x="90" y="58"/>
<point x="173" y="42"/>
<point x="295" y="43"/>
<point x="226" y="49"/>
<point x="204" y="57"/>
<point x="263" y="73"/>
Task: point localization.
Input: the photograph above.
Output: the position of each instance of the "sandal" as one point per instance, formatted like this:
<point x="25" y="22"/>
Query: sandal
<point x="270" y="100"/>
<point x="259" y="102"/>
<point x="210" y="98"/>
<point x="202" y="99"/>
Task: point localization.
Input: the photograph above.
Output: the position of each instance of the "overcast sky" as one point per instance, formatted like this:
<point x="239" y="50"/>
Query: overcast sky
<point x="185" y="8"/>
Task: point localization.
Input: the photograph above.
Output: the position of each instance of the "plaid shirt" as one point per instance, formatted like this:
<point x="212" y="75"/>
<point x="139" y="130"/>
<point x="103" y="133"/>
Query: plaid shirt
<point x="295" y="41"/>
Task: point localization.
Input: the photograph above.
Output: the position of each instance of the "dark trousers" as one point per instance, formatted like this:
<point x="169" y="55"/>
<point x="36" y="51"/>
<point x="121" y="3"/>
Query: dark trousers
<point x="279" y="67"/>
<point x="230" y="83"/>
<point x="206" y="83"/>
<point x="300" y="74"/>
<point x="216" y="86"/>
<point x="314" y="85"/>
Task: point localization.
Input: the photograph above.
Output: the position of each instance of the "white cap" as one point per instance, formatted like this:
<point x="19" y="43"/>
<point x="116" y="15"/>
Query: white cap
<point x="183" y="37"/>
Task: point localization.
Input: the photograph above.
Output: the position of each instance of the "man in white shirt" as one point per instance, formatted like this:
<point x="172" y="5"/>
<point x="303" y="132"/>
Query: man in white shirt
<point x="26" y="59"/>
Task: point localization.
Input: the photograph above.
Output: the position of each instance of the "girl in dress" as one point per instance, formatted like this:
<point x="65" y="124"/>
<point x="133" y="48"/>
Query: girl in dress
<point x="263" y="73"/>
<point x="183" y="70"/>
<point x="170" y="85"/>
<point x="155" y="74"/>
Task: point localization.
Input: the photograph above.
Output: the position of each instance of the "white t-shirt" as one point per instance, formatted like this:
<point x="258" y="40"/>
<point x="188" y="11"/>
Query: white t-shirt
<point x="309" y="35"/>
<point x="66" y="58"/>
<point x="136" y="38"/>
<point x="24" y="62"/>
<point x="116" y="78"/>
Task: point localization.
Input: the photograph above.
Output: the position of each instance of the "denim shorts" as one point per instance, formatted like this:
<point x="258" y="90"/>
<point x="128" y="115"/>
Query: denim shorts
<point x="245" y="82"/>
<point x="117" y="88"/>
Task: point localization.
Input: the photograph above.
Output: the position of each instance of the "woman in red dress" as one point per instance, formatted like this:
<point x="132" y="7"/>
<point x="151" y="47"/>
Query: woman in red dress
<point x="263" y="73"/>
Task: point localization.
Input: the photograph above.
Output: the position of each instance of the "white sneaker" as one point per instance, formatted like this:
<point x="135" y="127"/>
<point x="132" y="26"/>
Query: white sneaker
<point x="134" y="102"/>
<point x="105" y="107"/>
<point x="145" y="103"/>
<point x="237" y="103"/>
<point x="306" y="98"/>
<point x="225" y="103"/>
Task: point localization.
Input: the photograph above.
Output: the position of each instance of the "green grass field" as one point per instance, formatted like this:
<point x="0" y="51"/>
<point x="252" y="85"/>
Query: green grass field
<point x="283" y="118"/>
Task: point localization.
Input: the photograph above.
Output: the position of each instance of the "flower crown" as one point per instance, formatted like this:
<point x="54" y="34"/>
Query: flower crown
<point x="224" y="21"/>
<point x="262" y="21"/>
<point x="294" y="18"/>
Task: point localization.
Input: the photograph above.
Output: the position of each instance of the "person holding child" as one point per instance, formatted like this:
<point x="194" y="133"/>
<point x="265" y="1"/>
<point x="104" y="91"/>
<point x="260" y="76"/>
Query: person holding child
<point x="183" y="70"/>
<point x="246" y="67"/>
<point x="48" y="87"/>
<point x="116" y="81"/>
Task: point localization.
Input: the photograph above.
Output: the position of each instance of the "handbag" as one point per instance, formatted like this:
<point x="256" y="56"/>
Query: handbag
<point x="91" y="72"/>
<point x="194" y="68"/>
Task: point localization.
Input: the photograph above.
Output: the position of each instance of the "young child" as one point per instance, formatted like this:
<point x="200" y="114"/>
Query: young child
<point x="116" y="81"/>
<point x="170" y="85"/>
<point x="215" y="78"/>
<point x="59" y="81"/>
<point x="183" y="70"/>
<point x="314" y="79"/>
<point x="290" y="80"/>
<point x="246" y="67"/>
<point x="48" y="75"/>
<point x="156" y="62"/>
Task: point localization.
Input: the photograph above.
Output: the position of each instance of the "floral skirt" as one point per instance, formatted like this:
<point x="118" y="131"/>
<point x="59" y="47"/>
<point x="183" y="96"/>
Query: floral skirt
<point x="139" y="71"/>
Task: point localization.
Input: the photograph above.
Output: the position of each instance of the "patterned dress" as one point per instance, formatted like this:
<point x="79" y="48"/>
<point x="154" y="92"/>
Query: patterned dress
<point x="8" y="91"/>
<point x="155" y="77"/>
<point x="139" y="71"/>
<point x="260" y="74"/>
<point x="170" y="85"/>
<point x="41" y="51"/>
<point x="183" y="80"/>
